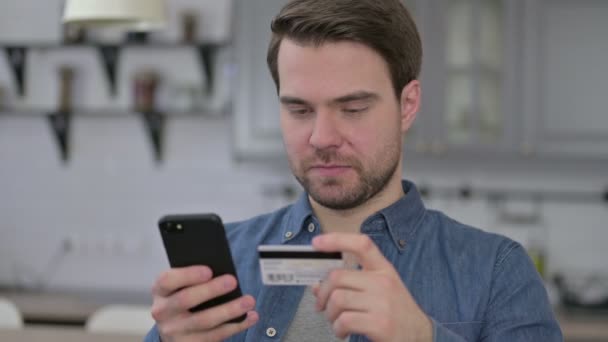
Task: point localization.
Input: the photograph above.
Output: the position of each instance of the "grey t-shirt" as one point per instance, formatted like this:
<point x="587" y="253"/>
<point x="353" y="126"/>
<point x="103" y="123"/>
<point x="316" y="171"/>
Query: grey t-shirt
<point x="309" y="325"/>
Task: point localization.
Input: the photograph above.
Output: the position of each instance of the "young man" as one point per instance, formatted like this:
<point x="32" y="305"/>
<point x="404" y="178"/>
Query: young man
<point x="346" y="73"/>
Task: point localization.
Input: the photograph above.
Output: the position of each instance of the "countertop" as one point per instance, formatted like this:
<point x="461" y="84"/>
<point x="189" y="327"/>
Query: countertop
<point x="61" y="334"/>
<point x="73" y="309"/>
<point x="68" y="308"/>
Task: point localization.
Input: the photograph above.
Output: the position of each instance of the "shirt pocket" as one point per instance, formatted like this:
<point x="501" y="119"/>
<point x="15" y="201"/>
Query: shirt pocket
<point x="468" y="330"/>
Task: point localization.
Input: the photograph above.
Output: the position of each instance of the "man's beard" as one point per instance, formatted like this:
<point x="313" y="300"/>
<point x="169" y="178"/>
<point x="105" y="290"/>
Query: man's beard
<point x="369" y="183"/>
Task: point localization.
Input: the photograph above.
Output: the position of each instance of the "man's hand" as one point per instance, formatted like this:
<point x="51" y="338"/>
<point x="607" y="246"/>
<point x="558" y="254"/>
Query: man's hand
<point x="177" y="290"/>
<point x="373" y="301"/>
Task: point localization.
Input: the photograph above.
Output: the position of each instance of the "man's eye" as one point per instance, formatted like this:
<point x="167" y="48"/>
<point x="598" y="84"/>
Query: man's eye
<point x="354" y="110"/>
<point x="298" y="111"/>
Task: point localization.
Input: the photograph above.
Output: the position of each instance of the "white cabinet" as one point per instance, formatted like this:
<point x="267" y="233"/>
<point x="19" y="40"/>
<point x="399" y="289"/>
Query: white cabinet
<point x="256" y="107"/>
<point x="565" y="84"/>
<point x="501" y="78"/>
<point x="468" y="76"/>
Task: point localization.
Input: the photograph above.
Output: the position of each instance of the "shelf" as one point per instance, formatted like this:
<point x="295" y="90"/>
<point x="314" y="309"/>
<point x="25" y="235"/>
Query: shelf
<point x="467" y="192"/>
<point x="60" y="124"/>
<point x="148" y="45"/>
<point x="110" y="56"/>
<point x="110" y="113"/>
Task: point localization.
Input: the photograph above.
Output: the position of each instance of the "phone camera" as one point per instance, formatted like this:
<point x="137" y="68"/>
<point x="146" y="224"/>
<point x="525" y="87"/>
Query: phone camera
<point x="171" y="227"/>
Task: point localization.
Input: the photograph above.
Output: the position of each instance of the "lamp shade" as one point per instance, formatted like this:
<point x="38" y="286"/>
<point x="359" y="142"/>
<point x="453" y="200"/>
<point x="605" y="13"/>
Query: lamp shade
<point x="143" y="15"/>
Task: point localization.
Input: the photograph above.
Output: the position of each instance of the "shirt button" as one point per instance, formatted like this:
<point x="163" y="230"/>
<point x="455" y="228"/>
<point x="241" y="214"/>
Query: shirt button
<point x="271" y="332"/>
<point x="288" y="235"/>
<point x="311" y="227"/>
<point x="402" y="243"/>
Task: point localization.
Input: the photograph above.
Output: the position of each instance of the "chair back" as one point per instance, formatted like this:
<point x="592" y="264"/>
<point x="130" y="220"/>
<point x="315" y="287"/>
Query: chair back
<point x="121" y="319"/>
<point x="10" y="316"/>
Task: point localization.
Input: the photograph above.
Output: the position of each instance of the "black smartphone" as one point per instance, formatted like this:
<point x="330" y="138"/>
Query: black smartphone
<point x="200" y="239"/>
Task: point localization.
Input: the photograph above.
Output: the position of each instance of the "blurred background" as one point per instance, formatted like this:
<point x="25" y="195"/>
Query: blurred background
<point x="103" y="131"/>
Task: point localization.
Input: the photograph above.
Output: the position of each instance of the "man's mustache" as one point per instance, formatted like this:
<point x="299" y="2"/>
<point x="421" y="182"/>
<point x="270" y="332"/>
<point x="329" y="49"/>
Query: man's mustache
<point x="330" y="157"/>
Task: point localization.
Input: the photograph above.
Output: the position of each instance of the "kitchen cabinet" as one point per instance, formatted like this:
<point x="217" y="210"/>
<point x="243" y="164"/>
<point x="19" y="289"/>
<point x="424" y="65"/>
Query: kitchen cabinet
<point x="469" y="77"/>
<point x="565" y="78"/>
<point x="256" y="108"/>
<point x="500" y="78"/>
<point x="467" y="83"/>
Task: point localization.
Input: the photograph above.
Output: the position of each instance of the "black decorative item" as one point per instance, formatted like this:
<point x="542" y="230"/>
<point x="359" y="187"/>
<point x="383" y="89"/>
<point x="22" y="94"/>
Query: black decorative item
<point x="424" y="191"/>
<point x="137" y="37"/>
<point x="110" y="56"/>
<point x="60" y="121"/>
<point x="74" y="34"/>
<point x="145" y="86"/>
<point x="155" y="126"/>
<point x="60" y="124"/>
<point x="189" y="27"/>
<point x="17" y="56"/>
<point x="207" y="55"/>
<point x="466" y="192"/>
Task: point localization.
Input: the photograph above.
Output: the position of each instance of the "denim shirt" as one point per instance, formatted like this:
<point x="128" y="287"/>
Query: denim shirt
<point x="474" y="286"/>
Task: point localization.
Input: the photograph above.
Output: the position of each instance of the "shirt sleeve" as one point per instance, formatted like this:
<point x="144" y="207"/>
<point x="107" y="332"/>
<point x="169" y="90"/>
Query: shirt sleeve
<point x="518" y="308"/>
<point x="443" y="334"/>
<point x="153" y="335"/>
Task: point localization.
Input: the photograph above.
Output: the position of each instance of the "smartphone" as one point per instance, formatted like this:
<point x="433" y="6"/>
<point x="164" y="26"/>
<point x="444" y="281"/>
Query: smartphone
<point x="200" y="239"/>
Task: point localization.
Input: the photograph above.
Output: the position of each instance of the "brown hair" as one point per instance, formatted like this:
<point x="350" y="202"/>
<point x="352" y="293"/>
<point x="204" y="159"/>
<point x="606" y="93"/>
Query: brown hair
<point x="383" y="25"/>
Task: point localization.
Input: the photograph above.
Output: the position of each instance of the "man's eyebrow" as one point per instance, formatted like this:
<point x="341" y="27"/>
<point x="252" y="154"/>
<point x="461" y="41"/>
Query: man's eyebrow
<point x="287" y="100"/>
<point x="357" y="96"/>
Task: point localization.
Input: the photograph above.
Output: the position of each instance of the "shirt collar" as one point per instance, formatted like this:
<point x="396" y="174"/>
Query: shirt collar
<point x="299" y="215"/>
<point x="401" y="218"/>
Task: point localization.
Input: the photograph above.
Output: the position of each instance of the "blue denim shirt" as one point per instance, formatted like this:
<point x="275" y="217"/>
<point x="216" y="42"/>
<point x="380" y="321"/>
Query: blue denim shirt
<point x="475" y="286"/>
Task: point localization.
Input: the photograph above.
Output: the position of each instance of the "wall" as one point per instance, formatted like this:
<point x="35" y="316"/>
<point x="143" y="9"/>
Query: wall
<point x="91" y="224"/>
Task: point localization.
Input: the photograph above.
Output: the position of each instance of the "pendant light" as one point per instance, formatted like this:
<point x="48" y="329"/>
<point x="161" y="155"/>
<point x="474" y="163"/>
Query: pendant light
<point x="135" y="15"/>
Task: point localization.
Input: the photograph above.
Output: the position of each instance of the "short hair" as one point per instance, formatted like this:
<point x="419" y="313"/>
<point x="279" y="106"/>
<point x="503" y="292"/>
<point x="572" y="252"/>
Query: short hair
<point x="386" y="26"/>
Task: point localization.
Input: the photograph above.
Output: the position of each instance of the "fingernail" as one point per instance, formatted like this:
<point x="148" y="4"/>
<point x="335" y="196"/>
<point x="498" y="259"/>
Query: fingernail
<point x="206" y="273"/>
<point x="246" y="304"/>
<point x="252" y="317"/>
<point x="228" y="283"/>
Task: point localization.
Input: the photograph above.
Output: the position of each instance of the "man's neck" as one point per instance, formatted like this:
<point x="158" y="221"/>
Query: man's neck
<point x="350" y="220"/>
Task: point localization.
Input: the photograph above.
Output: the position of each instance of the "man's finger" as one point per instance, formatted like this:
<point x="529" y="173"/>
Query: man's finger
<point x="194" y="295"/>
<point x="360" y="245"/>
<point x="224" y="331"/>
<point x="214" y="317"/>
<point x="342" y="300"/>
<point x="176" y="278"/>
<point x="341" y="279"/>
<point x="353" y="322"/>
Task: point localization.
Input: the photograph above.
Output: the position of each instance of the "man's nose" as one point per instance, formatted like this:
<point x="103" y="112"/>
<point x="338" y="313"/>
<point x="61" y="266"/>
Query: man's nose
<point x="325" y="132"/>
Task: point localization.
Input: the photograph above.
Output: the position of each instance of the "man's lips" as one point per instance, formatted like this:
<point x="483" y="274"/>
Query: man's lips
<point x="329" y="170"/>
<point x="328" y="166"/>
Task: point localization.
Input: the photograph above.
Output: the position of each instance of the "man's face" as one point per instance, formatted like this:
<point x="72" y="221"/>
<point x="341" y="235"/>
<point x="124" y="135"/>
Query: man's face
<point x="340" y="119"/>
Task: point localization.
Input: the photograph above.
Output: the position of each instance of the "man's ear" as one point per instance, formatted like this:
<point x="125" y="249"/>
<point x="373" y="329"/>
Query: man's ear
<point x="410" y="104"/>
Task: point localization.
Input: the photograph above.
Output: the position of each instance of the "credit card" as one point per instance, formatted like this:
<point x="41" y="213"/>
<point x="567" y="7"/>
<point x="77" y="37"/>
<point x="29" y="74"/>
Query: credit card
<point x="296" y="265"/>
